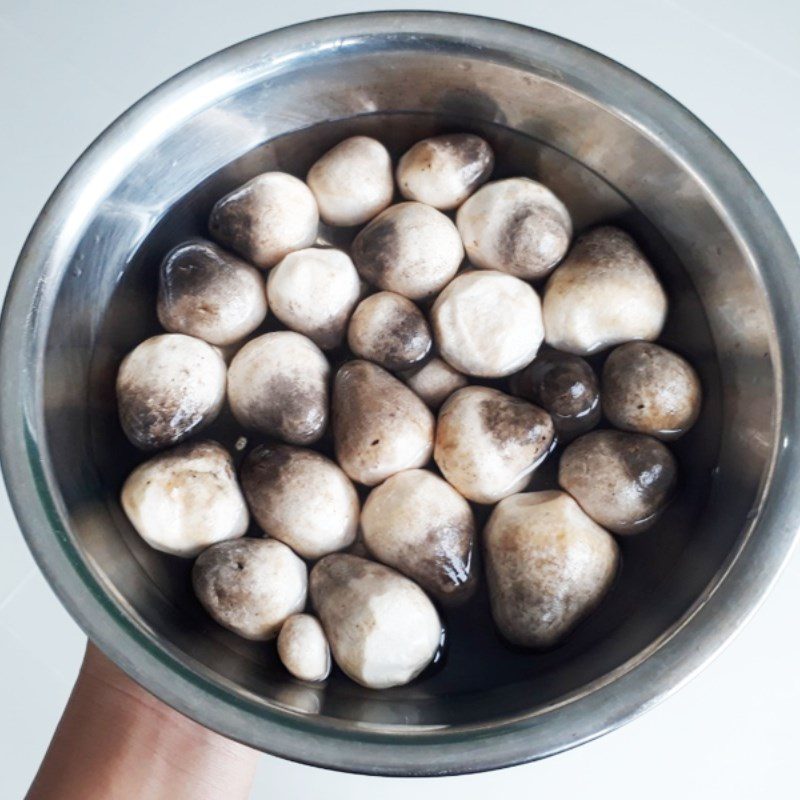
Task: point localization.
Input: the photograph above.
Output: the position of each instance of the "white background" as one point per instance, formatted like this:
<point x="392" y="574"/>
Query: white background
<point x="67" y="69"/>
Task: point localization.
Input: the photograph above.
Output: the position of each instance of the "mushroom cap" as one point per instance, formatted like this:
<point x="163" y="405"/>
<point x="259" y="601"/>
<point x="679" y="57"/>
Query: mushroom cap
<point x="208" y="293"/>
<point x="443" y="171"/>
<point x="353" y="181"/>
<point x="301" y="498"/>
<point x="621" y="480"/>
<point x="410" y="248"/>
<point x="185" y="499"/>
<point x="604" y="293"/>
<point x="420" y="525"/>
<point x="487" y="323"/>
<point x="278" y="385"/>
<point x="548" y="565"/>
<point x="169" y="387"/>
<point x="313" y="291"/>
<point x="250" y="586"/>
<point x="649" y="389"/>
<point x="434" y="381"/>
<point x="379" y="425"/>
<point x="516" y="226"/>
<point x="566" y="387"/>
<point x="266" y="218"/>
<point x="382" y="628"/>
<point x="390" y="330"/>
<point x="303" y="648"/>
<point x="488" y="443"/>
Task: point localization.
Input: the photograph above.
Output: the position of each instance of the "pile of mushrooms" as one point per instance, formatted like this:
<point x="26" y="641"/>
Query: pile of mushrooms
<point x="424" y="383"/>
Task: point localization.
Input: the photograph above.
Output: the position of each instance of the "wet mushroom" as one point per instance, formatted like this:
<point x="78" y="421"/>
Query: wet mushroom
<point x="301" y="498"/>
<point x="379" y="425"/>
<point x="250" y="586"/>
<point x="208" y="293"/>
<point x="352" y="182"/>
<point x="444" y="171"/>
<point x="548" y="565"/>
<point x="278" y="385"/>
<point x="303" y="648"/>
<point x="185" y="499"/>
<point x="382" y="628"/>
<point x="410" y="248"/>
<point x="516" y="226"/>
<point x="566" y="387"/>
<point x="390" y="330"/>
<point x="434" y="381"/>
<point x="649" y="389"/>
<point x="488" y="444"/>
<point x="418" y="524"/>
<point x="313" y="291"/>
<point x="487" y="324"/>
<point x="621" y="480"/>
<point x="169" y="387"/>
<point x="266" y="218"/>
<point x="604" y="293"/>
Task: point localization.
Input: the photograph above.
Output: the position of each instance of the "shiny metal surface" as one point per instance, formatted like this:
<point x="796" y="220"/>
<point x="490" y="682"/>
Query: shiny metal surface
<point x="615" y="148"/>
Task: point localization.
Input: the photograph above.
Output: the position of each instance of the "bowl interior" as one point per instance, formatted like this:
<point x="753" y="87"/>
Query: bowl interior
<point x="605" y="168"/>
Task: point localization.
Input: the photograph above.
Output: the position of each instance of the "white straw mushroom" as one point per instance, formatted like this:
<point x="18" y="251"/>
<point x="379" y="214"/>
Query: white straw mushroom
<point x="434" y="381"/>
<point x="250" y="586"/>
<point x="548" y="565"/>
<point x="313" y="291"/>
<point x="621" y="480"/>
<point x="516" y="226"/>
<point x="185" y="499"/>
<point x="487" y="324"/>
<point x="390" y="330"/>
<point x="382" y="628"/>
<point x="379" y="425"/>
<point x="352" y="182"/>
<point x="208" y="293"/>
<point x="303" y="648"/>
<point x="278" y="385"/>
<point x="604" y="293"/>
<point x="266" y="218"/>
<point x="488" y="443"/>
<point x="649" y="389"/>
<point x="409" y="248"/>
<point x="444" y="171"/>
<point x="302" y="498"/>
<point x="169" y="387"/>
<point x="418" y="524"/>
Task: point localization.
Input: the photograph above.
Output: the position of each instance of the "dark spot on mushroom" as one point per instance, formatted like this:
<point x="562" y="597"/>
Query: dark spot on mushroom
<point x="375" y="249"/>
<point x="529" y="225"/>
<point x="508" y="419"/>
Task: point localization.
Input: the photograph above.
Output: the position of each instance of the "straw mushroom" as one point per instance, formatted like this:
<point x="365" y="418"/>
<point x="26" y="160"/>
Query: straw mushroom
<point x="434" y="381"/>
<point x="169" y="387"/>
<point x="185" y="499"/>
<point x="266" y="218"/>
<point x="303" y="648"/>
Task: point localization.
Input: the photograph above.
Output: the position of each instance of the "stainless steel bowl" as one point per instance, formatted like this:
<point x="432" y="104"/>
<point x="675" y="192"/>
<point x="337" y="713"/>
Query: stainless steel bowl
<point x="615" y="148"/>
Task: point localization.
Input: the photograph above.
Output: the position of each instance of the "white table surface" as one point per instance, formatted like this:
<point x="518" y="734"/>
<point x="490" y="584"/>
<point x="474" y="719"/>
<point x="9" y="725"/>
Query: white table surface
<point x="67" y="69"/>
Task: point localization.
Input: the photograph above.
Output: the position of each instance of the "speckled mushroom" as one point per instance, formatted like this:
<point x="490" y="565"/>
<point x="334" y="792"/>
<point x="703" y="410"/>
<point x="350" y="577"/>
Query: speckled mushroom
<point x="278" y="385"/>
<point x="488" y="443"/>
<point x="313" y="291"/>
<point x="168" y="388"/>
<point x="548" y="565"/>
<point x="649" y="389"/>
<point x="301" y="498"/>
<point x="185" y="499"/>
<point x="352" y="182"/>
<point x="390" y="330"/>
<point x="443" y="171"/>
<point x="410" y="248"/>
<point x="516" y="226"/>
<point x="487" y="324"/>
<point x="604" y="293"/>
<point x="621" y="480"/>
<point x="266" y="218"/>
<point x="418" y="524"/>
